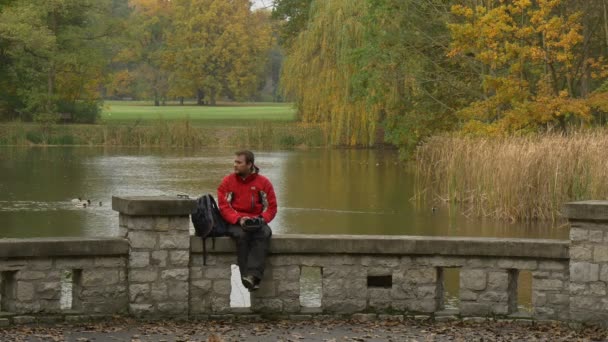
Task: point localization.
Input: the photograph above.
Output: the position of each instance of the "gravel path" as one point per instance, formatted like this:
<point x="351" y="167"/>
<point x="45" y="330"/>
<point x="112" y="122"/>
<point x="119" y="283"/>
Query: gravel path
<point x="328" y="331"/>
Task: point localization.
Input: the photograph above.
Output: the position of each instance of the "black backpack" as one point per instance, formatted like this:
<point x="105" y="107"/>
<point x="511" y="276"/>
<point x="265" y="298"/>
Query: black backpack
<point x="208" y="222"/>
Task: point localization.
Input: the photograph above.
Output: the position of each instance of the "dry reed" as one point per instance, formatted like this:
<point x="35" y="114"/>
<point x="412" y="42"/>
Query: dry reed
<point x="515" y="178"/>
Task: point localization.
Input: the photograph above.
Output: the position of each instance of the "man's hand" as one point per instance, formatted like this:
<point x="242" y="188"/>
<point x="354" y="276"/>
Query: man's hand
<point x="242" y="220"/>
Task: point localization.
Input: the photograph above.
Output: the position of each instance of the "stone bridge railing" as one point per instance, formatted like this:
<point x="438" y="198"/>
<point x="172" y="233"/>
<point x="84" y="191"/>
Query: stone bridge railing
<point x="154" y="269"/>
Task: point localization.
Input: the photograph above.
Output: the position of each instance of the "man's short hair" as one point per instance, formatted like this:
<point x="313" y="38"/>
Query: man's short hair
<point x="249" y="158"/>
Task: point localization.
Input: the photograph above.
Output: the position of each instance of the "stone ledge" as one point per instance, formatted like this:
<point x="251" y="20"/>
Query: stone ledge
<point x="153" y="205"/>
<point x="586" y="210"/>
<point x="48" y="247"/>
<point x="400" y="245"/>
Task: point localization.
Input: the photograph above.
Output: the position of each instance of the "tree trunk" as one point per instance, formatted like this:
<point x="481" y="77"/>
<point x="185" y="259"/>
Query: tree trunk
<point x="181" y="101"/>
<point x="199" y="97"/>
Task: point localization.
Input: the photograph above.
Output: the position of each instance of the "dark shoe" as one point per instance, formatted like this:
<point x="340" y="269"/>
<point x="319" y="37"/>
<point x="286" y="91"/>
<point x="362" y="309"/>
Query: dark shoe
<point x="249" y="282"/>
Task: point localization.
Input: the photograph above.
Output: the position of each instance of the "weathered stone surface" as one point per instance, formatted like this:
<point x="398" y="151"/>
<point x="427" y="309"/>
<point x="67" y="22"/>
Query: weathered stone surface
<point x="179" y="274"/>
<point x="584" y="272"/>
<point x="30" y="275"/>
<point x="139" y="293"/>
<point x="142" y="239"/>
<point x="579" y="234"/>
<point x="596" y="235"/>
<point x="97" y="277"/>
<point x="74" y="263"/>
<point x="581" y="252"/>
<point x="179" y="258"/>
<point x="139" y="310"/>
<point x="473" y="279"/>
<point x="48" y="290"/>
<point x="518" y="264"/>
<point x="24" y="319"/>
<point x="548" y="284"/>
<point x="25" y="291"/>
<point x="139" y="259"/>
<point x="153" y="205"/>
<point x="178" y="291"/>
<point x="498" y="281"/>
<point x="600" y="254"/>
<point x="159" y="258"/>
<point x="586" y="210"/>
<point x="110" y="262"/>
<point x="552" y="265"/>
<point x="174" y="241"/>
<point x="221" y="287"/>
<point x="344" y="305"/>
<point x="142" y="276"/>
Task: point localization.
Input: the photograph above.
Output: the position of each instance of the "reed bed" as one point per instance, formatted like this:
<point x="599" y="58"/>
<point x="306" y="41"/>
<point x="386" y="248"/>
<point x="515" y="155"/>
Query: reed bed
<point x="161" y="133"/>
<point x="515" y="178"/>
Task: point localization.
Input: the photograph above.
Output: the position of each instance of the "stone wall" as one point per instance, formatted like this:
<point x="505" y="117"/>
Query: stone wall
<point x="155" y="269"/>
<point x="34" y="277"/>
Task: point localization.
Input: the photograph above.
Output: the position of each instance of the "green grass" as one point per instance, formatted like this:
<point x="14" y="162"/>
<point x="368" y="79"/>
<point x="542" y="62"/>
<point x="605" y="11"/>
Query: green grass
<point x="238" y="114"/>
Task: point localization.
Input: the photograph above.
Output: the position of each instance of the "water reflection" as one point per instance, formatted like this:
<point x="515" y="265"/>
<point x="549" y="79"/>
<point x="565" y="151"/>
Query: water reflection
<point x="318" y="191"/>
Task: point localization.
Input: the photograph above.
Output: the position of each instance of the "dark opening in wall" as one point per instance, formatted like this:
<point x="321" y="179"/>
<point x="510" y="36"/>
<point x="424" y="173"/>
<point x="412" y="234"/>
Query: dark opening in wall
<point x="383" y="281"/>
<point x="8" y="291"/>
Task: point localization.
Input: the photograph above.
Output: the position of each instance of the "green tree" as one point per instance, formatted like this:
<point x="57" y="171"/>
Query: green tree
<point x="219" y="48"/>
<point x="55" y="53"/>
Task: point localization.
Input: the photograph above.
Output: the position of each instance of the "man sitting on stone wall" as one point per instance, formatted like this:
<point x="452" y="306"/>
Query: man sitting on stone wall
<point x="247" y="202"/>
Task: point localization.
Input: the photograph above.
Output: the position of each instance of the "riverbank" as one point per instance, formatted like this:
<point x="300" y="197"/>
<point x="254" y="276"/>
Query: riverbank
<point x="166" y="133"/>
<point x="515" y="178"/>
<point x="307" y="330"/>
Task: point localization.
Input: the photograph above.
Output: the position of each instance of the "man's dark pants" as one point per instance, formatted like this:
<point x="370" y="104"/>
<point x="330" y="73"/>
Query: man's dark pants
<point x="252" y="248"/>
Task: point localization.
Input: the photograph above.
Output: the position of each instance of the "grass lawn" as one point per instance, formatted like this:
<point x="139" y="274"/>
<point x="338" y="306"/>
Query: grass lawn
<point x="222" y="114"/>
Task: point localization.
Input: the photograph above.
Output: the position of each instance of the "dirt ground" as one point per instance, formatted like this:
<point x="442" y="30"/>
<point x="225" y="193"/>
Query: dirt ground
<point x="295" y="331"/>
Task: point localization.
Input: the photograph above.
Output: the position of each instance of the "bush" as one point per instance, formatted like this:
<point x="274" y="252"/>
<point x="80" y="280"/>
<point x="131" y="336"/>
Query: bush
<point x="81" y="111"/>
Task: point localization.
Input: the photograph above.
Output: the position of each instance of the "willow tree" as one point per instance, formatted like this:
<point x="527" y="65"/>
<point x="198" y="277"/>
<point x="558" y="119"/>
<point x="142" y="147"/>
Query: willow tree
<point x="319" y="67"/>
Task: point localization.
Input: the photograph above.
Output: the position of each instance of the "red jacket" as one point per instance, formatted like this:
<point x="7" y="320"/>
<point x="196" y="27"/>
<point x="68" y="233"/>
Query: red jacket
<point x="238" y="198"/>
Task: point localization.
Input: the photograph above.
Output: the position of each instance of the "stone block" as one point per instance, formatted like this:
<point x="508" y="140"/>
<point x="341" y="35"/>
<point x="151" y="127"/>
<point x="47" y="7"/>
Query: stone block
<point x="159" y="292"/>
<point x="97" y="277"/>
<point x="48" y="290"/>
<point x="578" y="289"/>
<point x="475" y="309"/>
<point x="289" y="289"/>
<point x="24" y="319"/>
<point x="596" y="236"/>
<point x="141" y="310"/>
<point x="597" y="289"/>
<point x="386" y="262"/>
<point x="580" y="253"/>
<point x="423" y="305"/>
<point x="604" y="273"/>
<point x="139" y="259"/>
<point x="142" y="239"/>
<point x="174" y="241"/>
<point x="39" y="264"/>
<point x="29" y="275"/>
<point x="439" y="261"/>
<point x="584" y="272"/>
<point x="481" y="263"/>
<point x="491" y="296"/>
<point x="518" y="264"/>
<point x="141" y="223"/>
<point x="473" y="279"/>
<point x="110" y="262"/>
<point x="179" y="222"/>
<point x="159" y="258"/>
<point x="364" y="317"/>
<point x="203" y="285"/>
<point x="600" y="254"/>
<point x="552" y="265"/>
<point x="74" y="263"/>
<point x="179" y="274"/>
<point x="558" y="299"/>
<point x="179" y="258"/>
<point x="290" y="260"/>
<point x="579" y="234"/>
<point x="221" y="287"/>
<point x="173" y="308"/>
<point x="161" y="223"/>
<point x="379" y="271"/>
<point x="4" y="322"/>
<point x="426" y="291"/>
<point x="143" y="275"/>
<point x="343" y="272"/>
<point x="498" y="281"/>
<point x="178" y="291"/>
<point x="286" y="272"/>
<point x="25" y="291"/>
<point x="468" y="295"/>
<point x="548" y="284"/>
<point x="424" y="275"/>
<point x="267" y="305"/>
<point x="379" y="295"/>
<point x="139" y="293"/>
<point x="344" y="305"/>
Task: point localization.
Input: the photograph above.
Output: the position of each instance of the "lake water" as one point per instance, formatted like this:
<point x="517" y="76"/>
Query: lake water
<point x="318" y="192"/>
